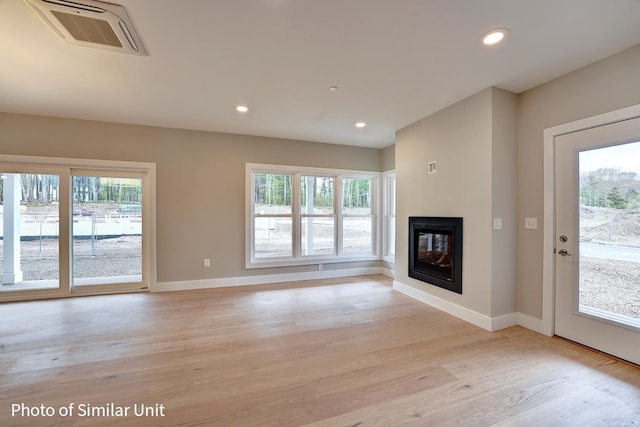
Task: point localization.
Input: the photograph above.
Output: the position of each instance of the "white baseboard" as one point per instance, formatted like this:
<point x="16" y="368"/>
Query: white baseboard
<point x="385" y="272"/>
<point x="480" y="320"/>
<point x="448" y="307"/>
<point x="504" y="321"/>
<point x="266" y="279"/>
<point x="532" y="323"/>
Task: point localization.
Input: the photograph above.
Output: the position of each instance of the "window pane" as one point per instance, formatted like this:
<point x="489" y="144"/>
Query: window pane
<point x="356" y="235"/>
<point x="107" y="230"/>
<point x="391" y="245"/>
<point x="273" y="237"/>
<point x="29" y="217"/>
<point x="316" y="195"/>
<point x="318" y="236"/>
<point x="609" y="258"/>
<point x="356" y="196"/>
<point x="391" y="195"/>
<point x="272" y="194"/>
<point x="390" y="212"/>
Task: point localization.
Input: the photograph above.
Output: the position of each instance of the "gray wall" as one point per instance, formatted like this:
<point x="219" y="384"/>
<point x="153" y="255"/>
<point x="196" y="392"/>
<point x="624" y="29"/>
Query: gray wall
<point x="474" y="143"/>
<point x="607" y="85"/>
<point x="504" y="201"/>
<point x="200" y="182"/>
<point x="389" y="158"/>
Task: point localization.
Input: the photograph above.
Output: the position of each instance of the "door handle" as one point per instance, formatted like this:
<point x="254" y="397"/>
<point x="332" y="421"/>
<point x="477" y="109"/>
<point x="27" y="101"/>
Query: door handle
<point x="564" y="252"/>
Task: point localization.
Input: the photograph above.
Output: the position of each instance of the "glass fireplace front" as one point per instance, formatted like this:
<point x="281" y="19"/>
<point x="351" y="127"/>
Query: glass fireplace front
<point x="435" y="251"/>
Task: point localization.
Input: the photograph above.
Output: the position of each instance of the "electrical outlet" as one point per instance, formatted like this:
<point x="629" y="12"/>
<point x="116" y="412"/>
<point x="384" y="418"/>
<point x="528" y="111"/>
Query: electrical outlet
<point x="207" y="262"/>
<point x="531" y="223"/>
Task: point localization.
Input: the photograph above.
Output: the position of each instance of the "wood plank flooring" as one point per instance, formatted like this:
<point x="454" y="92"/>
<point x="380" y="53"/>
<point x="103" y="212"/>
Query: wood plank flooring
<point x="348" y="352"/>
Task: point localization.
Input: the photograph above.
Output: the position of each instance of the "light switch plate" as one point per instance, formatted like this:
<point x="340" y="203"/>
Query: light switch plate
<point x="497" y="223"/>
<point x="531" y="223"/>
<point x="432" y="167"/>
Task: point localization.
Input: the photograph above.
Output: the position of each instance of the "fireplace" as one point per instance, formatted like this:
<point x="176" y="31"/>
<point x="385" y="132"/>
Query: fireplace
<point x="435" y="251"/>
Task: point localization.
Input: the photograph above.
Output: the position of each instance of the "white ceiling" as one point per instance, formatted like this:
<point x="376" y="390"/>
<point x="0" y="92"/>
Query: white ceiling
<point x="394" y="61"/>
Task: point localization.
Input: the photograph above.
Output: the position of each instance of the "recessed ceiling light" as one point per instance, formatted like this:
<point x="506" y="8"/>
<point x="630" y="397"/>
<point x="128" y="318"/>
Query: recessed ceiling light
<point x="495" y="36"/>
<point x="242" y="108"/>
<point x="333" y="88"/>
<point x="360" y="124"/>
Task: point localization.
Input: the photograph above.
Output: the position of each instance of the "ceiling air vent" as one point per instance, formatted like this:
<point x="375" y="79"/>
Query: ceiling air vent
<point x="91" y="23"/>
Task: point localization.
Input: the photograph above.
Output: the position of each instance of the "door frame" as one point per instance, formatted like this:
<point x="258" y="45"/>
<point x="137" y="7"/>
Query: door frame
<point x="547" y="326"/>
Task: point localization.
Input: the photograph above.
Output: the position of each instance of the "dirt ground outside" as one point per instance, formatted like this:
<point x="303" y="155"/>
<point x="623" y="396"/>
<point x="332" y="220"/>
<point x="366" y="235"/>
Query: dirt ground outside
<point x="605" y="284"/>
<point x="102" y="258"/>
<point x="610" y="226"/>
<point x="610" y="287"/>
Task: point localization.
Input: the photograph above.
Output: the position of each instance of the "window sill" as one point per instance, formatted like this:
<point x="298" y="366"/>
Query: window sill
<point x="275" y="262"/>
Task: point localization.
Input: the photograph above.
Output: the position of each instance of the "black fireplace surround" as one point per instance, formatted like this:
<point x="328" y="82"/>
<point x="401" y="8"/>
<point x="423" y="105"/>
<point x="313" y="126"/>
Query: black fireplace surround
<point x="435" y="251"/>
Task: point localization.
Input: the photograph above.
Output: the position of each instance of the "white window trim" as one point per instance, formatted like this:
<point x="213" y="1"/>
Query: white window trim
<point x="388" y="214"/>
<point x="297" y="259"/>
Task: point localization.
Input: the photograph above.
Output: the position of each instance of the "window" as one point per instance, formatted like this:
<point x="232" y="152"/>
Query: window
<point x="357" y="216"/>
<point x="309" y="215"/>
<point x="272" y="213"/>
<point x="107" y="227"/>
<point x="318" y="218"/>
<point x="30" y="212"/>
<point x="389" y="216"/>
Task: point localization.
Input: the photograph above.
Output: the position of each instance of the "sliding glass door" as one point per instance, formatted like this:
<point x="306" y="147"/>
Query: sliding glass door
<point x="68" y="230"/>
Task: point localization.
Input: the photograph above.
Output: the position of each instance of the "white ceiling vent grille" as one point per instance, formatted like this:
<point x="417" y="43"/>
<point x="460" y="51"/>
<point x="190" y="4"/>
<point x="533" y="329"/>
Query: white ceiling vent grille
<point x="91" y="23"/>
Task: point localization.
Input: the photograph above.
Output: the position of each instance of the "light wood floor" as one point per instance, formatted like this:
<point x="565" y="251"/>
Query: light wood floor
<point x="349" y="352"/>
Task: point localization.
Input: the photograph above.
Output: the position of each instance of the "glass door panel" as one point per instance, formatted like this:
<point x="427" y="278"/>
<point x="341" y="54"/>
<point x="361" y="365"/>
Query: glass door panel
<point x="107" y="230"/>
<point x="609" y="216"/>
<point x="30" y="230"/>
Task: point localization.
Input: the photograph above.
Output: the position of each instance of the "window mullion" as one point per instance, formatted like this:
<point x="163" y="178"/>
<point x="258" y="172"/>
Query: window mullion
<point x="375" y="213"/>
<point x="296" y="220"/>
<point x="252" y="220"/>
<point x="338" y="213"/>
